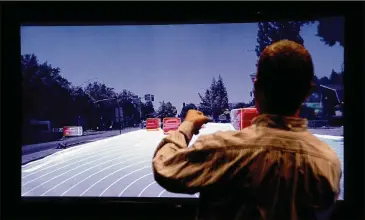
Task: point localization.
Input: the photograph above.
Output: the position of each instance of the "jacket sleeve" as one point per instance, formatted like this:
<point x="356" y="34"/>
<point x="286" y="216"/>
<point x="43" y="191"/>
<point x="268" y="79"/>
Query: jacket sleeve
<point x="182" y="169"/>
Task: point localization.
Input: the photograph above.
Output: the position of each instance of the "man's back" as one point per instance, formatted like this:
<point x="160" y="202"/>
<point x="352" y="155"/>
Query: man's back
<point x="274" y="169"/>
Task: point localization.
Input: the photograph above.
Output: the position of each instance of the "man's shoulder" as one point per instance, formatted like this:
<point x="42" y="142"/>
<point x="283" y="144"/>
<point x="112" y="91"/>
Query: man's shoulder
<point x="222" y="139"/>
<point x="316" y="145"/>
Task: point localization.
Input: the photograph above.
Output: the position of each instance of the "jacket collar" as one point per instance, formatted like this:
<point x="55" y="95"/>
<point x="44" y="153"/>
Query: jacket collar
<point x="281" y="122"/>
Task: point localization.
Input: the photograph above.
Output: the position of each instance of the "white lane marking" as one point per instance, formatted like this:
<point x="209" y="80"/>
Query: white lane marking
<point x="108" y="161"/>
<point x="120" y="194"/>
<point x="159" y="195"/>
<point x="329" y="137"/>
<point x="110" y="148"/>
<point x="196" y="195"/>
<point x="97" y="173"/>
<point x="73" y="149"/>
<point x="100" y="143"/>
<point x="112" y="174"/>
<point x="106" y="153"/>
<point x="61" y="175"/>
<point x="144" y="189"/>
<point x="122" y="178"/>
<point x="61" y="157"/>
<point x="87" y="147"/>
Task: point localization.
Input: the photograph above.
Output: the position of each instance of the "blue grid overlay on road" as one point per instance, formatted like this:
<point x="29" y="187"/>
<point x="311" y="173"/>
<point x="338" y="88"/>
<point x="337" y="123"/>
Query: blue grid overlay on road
<point x="119" y="166"/>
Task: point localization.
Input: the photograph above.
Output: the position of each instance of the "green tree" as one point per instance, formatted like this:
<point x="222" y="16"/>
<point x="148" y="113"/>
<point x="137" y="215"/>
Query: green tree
<point x="331" y="30"/>
<point x="104" y="98"/>
<point x="83" y="107"/>
<point x="166" y="110"/>
<point x="215" y="100"/>
<point x="220" y="98"/>
<point x="148" y="110"/>
<point x="130" y="105"/>
<point x="46" y="94"/>
<point x="336" y="78"/>
<point x="99" y="91"/>
<point x="185" y="110"/>
<point x="206" y="102"/>
<point x="270" y="32"/>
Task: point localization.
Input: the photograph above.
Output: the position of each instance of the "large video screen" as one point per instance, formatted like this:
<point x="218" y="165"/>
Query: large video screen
<point x="97" y="100"/>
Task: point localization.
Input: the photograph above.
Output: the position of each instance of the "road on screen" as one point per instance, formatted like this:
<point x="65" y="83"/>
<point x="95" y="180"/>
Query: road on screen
<point x="118" y="166"/>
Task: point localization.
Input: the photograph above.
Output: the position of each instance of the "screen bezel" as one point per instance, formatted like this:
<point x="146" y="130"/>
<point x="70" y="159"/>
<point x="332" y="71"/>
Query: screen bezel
<point x="29" y="16"/>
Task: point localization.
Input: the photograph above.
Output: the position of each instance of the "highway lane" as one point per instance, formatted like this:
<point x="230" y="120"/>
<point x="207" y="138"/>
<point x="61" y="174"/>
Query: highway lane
<point x="112" y="167"/>
<point x="70" y="141"/>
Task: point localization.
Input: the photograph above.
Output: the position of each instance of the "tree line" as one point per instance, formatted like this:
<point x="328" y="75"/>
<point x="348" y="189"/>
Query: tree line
<point x="49" y="96"/>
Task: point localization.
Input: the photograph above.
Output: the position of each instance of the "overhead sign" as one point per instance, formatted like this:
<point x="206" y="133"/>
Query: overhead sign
<point x="171" y="124"/>
<point x="153" y="123"/>
<point x="149" y="97"/>
<point x="70" y="131"/>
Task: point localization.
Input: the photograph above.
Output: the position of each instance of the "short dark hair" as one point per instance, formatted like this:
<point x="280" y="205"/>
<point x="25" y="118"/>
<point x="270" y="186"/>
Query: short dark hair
<point x="284" y="75"/>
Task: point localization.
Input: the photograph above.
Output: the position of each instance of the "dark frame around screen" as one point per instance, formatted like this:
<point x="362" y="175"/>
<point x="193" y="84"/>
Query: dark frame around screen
<point x="14" y="15"/>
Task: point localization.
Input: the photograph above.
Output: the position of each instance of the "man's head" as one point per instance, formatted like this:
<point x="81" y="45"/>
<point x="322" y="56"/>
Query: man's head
<point x="284" y="78"/>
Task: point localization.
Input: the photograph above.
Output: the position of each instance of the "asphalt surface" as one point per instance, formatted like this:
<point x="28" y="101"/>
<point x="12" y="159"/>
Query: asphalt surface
<point x="336" y="131"/>
<point x="118" y="166"/>
<point x="38" y="151"/>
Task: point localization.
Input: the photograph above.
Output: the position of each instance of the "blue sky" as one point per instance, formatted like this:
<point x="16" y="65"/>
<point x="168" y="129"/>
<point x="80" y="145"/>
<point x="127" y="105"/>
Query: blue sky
<point x="173" y="62"/>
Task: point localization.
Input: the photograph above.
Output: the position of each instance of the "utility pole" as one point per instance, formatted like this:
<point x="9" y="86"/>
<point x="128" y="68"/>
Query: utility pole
<point x="120" y="118"/>
<point x="139" y="101"/>
<point x="140" y="108"/>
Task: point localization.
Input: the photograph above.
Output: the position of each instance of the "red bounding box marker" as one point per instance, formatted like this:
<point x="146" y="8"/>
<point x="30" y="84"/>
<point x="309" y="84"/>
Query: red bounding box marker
<point x="153" y="124"/>
<point x="71" y="131"/>
<point x="171" y="124"/>
<point x="242" y="117"/>
<point x="247" y="114"/>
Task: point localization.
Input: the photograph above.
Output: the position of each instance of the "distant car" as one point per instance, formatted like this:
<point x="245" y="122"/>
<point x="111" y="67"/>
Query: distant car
<point x="223" y="118"/>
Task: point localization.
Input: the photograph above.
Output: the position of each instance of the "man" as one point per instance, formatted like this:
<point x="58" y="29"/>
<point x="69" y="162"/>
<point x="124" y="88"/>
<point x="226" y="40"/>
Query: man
<point x="273" y="169"/>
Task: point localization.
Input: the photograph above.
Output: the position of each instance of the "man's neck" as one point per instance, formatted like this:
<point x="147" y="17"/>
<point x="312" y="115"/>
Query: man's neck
<point x="296" y="115"/>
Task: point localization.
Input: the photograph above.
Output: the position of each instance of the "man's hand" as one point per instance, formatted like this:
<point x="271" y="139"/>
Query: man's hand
<point x="197" y="118"/>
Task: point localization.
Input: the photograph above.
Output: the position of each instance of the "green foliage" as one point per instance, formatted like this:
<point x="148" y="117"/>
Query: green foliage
<point x="48" y="96"/>
<point x="331" y="30"/>
<point x="206" y="103"/>
<point x="185" y="110"/>
<point x="270" y="32"/>
<point x="148" y="110"/>
<point x="215" y="100"/>
<point x="166" y="110"/>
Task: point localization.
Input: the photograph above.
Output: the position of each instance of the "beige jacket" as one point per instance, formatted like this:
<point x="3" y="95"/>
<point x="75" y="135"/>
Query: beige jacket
<point x="274" y="169"/>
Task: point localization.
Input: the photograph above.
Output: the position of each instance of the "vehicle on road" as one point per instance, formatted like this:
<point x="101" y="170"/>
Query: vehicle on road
<point x="143" y="124"/>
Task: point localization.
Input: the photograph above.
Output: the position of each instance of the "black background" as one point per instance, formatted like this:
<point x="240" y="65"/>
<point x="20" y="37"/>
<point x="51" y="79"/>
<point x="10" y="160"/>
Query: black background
<point x="95" y="13"/>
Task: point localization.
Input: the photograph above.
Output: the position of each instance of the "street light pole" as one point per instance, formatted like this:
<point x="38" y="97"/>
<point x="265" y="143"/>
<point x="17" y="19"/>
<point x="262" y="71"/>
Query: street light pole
<point x="119" y="116"/>
<point x="86" y="81"/>
<point x="140" y="109"/>
<point x="78" y="117"/>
